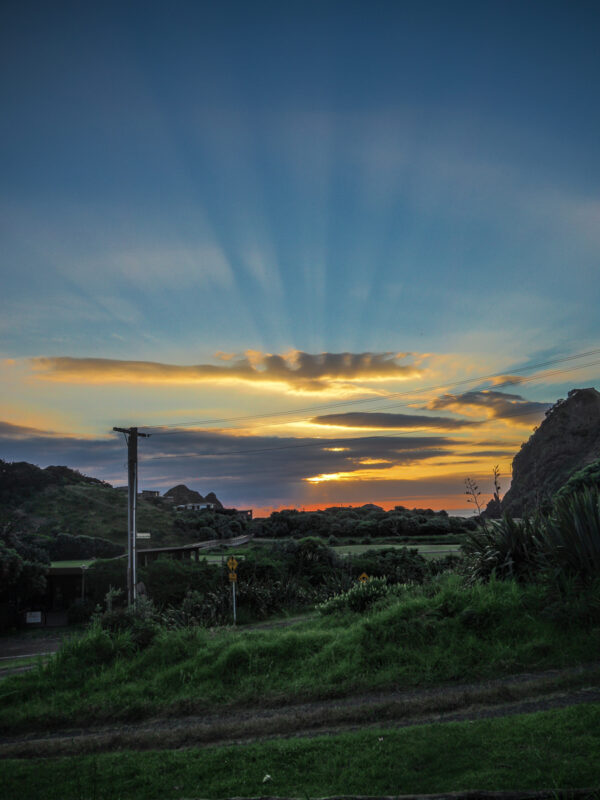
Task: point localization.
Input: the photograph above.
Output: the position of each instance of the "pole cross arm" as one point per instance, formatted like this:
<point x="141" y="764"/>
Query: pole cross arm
<point x="131" y="430"/>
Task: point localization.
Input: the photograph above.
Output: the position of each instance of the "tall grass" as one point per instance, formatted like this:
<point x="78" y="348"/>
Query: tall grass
<point x="427" y="634"/>
<point x="570" y="539"/>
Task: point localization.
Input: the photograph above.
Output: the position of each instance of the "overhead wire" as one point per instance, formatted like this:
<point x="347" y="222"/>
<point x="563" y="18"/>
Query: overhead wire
<point x="166" y="430"/>
<point x="324" y="443"/>
<point x="541" y="376"/>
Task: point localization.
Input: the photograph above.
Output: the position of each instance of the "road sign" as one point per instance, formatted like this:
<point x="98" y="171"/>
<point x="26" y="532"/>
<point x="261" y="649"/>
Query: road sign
<point x="142" y="536"/>
<point x="232" y="563"/>
<point x="233" y="577"/>
<point x="363" y="578"/>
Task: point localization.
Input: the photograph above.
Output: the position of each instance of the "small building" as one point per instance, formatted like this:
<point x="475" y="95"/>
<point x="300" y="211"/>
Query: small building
<point x="145" y="493"/>
<point x="195" y="506"/>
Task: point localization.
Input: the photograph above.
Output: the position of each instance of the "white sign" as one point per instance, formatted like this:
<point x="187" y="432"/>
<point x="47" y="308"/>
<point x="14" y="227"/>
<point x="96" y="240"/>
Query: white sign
<point x="33" y="617"/>
<point x="142" y="536"/>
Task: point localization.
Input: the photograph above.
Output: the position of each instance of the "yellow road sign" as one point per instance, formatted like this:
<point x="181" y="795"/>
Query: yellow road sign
<point x="232" y="563"/>
<point x="233" y="577"/>
<point x="363" y="578"/>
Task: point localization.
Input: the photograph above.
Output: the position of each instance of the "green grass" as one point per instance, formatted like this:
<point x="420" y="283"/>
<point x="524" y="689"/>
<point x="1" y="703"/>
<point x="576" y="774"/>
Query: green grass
<point x="82" y="562"/>
<point x="552" y="749"/>
<point x="438" y="633"/>
<point x="426" y="550"/>
<point x="17" y="661"/>
<point x="81" y="509"/>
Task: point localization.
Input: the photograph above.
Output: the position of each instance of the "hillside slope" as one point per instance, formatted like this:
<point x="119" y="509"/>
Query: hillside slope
<point x="568" y="440"/>
<point x="56" y="500"/>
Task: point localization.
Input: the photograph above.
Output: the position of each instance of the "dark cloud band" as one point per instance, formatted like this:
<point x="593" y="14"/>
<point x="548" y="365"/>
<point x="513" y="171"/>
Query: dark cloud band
<point x="375" y="420"/>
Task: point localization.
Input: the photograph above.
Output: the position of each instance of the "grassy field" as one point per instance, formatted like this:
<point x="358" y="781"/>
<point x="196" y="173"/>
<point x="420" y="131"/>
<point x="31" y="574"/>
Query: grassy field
<point x="433" y="634"/>
<point x="426" y="550"/>
<point x="429" y="551"/>
<point x="552" y="749"/>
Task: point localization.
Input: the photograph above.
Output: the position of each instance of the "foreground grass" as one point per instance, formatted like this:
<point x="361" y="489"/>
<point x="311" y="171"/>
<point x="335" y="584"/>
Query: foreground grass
<point x="553" y="749"/>
<point x="438" y="633"/>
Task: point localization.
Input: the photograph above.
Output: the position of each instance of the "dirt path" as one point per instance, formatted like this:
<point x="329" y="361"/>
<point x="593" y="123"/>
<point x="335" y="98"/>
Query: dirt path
<point x="20" y="646"/>
<point x="519" y="694"/>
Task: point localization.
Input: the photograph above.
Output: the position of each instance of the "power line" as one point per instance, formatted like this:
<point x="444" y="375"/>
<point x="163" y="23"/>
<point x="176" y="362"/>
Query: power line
<point x="321" y="443"/>
<point x="539" y="377"/>
<point x="422" y="390"/>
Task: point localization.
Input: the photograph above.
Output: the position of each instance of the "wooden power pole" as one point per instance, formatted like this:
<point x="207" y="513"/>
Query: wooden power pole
<point x="131" y="437"/>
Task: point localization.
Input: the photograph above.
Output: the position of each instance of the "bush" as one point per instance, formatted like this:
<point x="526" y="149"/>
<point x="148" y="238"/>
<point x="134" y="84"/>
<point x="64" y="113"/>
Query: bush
<point x="505" y="548"/>
<point x="571" y="536"/>
<point x="359" y="598"/>
<point x="140" y="622"/>
<point x="168" y="580"/>
<point x="398" y="565"/>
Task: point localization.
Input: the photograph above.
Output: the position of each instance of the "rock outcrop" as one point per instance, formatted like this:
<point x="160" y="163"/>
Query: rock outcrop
<point x="182" y="495"/>
<point x="566" y="441"/>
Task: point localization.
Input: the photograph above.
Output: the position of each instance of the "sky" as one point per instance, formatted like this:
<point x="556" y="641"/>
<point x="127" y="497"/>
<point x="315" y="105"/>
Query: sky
<point x="324" y="252"/>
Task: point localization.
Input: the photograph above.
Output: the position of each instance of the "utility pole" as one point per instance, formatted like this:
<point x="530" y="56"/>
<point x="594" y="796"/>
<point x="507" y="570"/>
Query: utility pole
<point x="131" y="437"/>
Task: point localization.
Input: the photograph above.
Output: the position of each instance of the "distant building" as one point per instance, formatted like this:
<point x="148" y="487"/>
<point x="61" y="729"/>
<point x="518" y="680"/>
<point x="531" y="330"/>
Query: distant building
<point x="195" y="506"/>
<point x="245" y="513"/>
<point x="149" y="493"/>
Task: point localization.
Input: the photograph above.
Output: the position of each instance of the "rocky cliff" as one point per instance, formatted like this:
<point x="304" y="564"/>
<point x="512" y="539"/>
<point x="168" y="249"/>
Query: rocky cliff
<point x="182" y="495"/>
<point x="566" y="441"/>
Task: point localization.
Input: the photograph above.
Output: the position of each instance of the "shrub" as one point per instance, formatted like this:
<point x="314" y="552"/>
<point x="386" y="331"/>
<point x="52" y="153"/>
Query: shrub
<point x="140" y="622"/>
<point x="398" y="565"/>
<point x="168" y="580"/>
<point x="359" y="598"/>
<point x="505" y="548"/>
<point x="571" y="536"/>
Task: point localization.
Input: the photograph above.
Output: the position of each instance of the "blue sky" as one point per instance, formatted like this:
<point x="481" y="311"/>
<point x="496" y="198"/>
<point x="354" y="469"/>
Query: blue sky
<point x="188" y="185"/>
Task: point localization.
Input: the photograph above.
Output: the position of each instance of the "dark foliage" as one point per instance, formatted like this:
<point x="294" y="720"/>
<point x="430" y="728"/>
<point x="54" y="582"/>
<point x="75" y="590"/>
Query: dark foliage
<point x="365" y="522"/>
<point x="19" y="480"/>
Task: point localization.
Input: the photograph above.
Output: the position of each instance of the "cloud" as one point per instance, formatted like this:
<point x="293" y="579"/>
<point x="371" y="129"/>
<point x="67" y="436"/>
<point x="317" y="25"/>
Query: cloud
<point x="242" y="470"/>
<point x="300" y="371"/>
<point x="508" y="380"/>
<point x="8" y="431"/>
<point x="369" y="419"/>
<point x="511" y="408"/>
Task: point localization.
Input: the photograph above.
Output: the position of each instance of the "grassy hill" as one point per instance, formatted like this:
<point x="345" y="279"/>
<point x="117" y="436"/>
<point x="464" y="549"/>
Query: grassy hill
<point x="58" y="500"/>
<point x="91" y="510"/>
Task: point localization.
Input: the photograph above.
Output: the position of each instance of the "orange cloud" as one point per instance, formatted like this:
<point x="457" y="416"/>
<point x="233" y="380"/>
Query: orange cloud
<point x="296" y="370"/>
<point x="510" y="408"/>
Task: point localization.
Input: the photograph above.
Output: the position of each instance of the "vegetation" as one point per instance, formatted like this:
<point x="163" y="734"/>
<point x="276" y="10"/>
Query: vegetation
<point x="368" y="521"/>
<point x="440" y="631"/>
<point x="564" y="545"/>
<point x="525" y="596"/>
<point x="588" y="477"/>
<point x="281" y="577"/>
<point x="552" y="749"/>
<point x="58" y="514"/>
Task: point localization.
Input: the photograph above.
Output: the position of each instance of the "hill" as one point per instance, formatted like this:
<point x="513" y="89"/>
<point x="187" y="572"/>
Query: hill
<point x="182" y="495"/>
<point x="58" y="500"/>
<point x="567" y="441"/>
